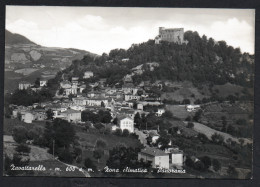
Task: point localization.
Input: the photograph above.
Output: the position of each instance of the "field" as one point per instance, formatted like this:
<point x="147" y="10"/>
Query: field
<point x="88" y="141"/>
<point x="9" y="124"/>
<point x="179" y="111"/>
<point x="26" y="71"/>
<point x="209" y="132"/>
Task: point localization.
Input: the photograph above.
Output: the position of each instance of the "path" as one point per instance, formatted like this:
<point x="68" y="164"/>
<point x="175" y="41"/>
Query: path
<point x="209" y="132"/>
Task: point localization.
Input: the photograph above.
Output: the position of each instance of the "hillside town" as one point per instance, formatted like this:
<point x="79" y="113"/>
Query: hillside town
<point x="144" y="109"/>
<point x="122" y="103"/>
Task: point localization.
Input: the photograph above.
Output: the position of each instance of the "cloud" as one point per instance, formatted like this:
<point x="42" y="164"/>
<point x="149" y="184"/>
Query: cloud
<point x="120" y="28"/>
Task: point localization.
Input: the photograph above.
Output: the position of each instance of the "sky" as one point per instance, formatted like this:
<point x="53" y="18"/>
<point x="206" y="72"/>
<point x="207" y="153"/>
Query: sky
<point x="100" y="29"/>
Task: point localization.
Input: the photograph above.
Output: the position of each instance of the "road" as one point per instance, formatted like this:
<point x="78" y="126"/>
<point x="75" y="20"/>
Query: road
<point x="209" y="132"/>
<point x="142" y="137"/>
<point x="85" y="173"/>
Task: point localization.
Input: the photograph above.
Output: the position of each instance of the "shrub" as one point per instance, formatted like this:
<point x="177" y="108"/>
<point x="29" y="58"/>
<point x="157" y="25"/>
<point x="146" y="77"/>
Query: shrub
<point x="118" y="132"/>
<point x="125" y="133"/>
<point x="23" y="148"/>
<point x="20" y="134"/>
<point x="190" y="125"/>
<point x="66" y="156"/>
<point x="88" y="163"/>
<point x="206" y="161"/>
<point x="216" y="165"/>
<point x="199" y="166"/>
<point x="189" y="162"/>
<point x="101" y="143"/>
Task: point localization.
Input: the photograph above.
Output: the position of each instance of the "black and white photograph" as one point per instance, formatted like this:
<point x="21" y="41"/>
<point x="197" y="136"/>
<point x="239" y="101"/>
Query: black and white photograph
<point x="128" y="92"/>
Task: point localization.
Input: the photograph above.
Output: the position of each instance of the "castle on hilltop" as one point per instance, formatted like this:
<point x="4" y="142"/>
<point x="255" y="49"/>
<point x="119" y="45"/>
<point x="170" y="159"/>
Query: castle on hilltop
<point x="175" y="35"/>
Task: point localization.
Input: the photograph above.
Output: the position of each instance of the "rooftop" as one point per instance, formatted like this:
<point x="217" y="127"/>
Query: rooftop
<point x="153" y="151"/>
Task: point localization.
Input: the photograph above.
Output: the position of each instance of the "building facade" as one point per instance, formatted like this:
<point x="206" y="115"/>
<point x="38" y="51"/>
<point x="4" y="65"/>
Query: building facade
<point x="157" y="157"/>
<point x="175" y="35"/>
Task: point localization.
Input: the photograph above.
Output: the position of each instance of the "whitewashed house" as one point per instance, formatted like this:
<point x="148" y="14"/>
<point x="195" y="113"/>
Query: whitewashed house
<point x="160" y="111"/>
<point x="43" y="82"/>
<point x="24" y="85"/>
<point x="191" y="108"/>
<point x="27" y="117"/>
<point x="157" y="157"/>
<point x="125" y="122"/>
<point x="88" y="74"/>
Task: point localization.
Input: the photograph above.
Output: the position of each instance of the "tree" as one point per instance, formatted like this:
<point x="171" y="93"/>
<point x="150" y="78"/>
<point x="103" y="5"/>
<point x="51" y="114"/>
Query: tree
<point x="216" y="165"/>
<point x="197" y="115"/>
<point x="115" y="121"/>
<point x="137" y="120"/>
<point x="18" y="161"/>
<point x="37" y="82"/>
<point x="189" y="162"/>
<point x="65" y="156"/>
<point x="20" y="134"/>
<point x="102" y="104"/>
<point x="49" y="114"/>
<point x="118" y="132"/>
<point x="202" y="137"/>
<point x="217" y="138"/>
<point x="232" y="172"/>
<point x="167" y="114"/>
<point x="61" y="91"/>
<point x="206" y="161"/>
<point x="185" y="101"/>
<point x="23" y="148"/>
<point x="97" y="154"/>
<point x="104" y="116"/>
<point x="125" y="133"/>
<point x="88" y="163"/>
<point x="101" y="144"/>
<point x="60" y="131"/>
<point x="190" y="125"/>
<point x="199" y="166"/>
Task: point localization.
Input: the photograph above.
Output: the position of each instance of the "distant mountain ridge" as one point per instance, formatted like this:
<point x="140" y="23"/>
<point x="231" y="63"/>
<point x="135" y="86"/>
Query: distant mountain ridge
<point x="26" y="60"/>
<point x="12" y="38"/>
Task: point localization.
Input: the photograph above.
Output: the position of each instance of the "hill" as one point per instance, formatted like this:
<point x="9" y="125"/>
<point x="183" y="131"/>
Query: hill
<point x="25" y="60"/>
<point x="11" y="38"/>
<point x="202" y="60"/>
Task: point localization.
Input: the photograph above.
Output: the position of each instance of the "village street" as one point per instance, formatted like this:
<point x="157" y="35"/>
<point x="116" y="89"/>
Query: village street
<point x="141" y="137"/>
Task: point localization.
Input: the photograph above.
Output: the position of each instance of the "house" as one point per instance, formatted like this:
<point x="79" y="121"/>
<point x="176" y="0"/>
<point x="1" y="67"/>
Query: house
<point x="35" y="89"/>
<point x="140" y="106"/>
<point x="75" y="80"/>
<point x="65" y="84"/>
<point x="39" y="114"/>
<point x="128" y="78"/>
<point x="27" y="117"/>
<point x="176" y="156"/>
<point x="129" y="97"/>
<point x="88" y="74"/>
<point x="80" y="101"/>
<point x="160" y="111"/>
<point x="157" y="157"/>
<point x="43" y="82"/>
<point x="77" y="107"/>
<point x="125" y="60"/>
<point x="110" y="90"/>
<point x="72" y="90"/>
<point x="82" y="87"/>
<point x="191" y="108"/>
<point x="94" y="94"/>
<point x="154" y="136"/>
<point x="71" y="115"/>
<point x="125" y="122"/>
<point x="129" y="88"/>
<point x="97" y="101"/>
<point x="24" y="85"/>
